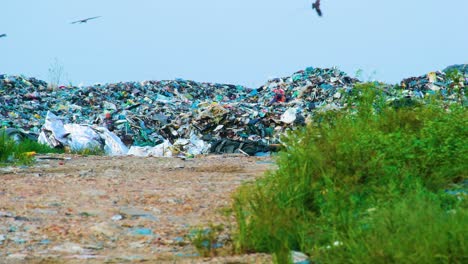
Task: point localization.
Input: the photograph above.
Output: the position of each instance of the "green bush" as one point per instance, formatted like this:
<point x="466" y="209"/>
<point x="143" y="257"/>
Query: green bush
<point x="369" y="155"/>
<point x="413" y="229"/>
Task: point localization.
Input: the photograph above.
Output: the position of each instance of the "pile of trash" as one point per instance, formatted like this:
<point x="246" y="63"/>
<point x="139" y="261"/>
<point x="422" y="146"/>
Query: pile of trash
<point x="167" y="118"/>
<point x="450" y="83"/>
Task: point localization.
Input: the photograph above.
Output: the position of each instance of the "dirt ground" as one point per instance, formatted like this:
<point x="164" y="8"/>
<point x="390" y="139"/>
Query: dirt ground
<point x="75" y="209"/>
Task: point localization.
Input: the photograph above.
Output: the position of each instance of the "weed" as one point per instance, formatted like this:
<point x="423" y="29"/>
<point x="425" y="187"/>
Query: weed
<point x="205" y="240"/>
<point x="89" y="151"/>
<point x="12" y="152"/>
<point x="7" y="149"/>
<point x="56" y="72"/>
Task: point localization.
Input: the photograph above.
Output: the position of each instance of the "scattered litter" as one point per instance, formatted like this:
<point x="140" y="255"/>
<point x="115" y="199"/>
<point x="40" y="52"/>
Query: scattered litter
<point x="117" y="217"/>
<point x="133" y="213"/>
<point x="45" y="242"/>
<point x="187" y="255"/>
<point x="161" y="150"/>
<point x="299" y="258"/>
<point x="17" y="256"/>
<point x="142" y="232"/>
<point x="5" y="214"/>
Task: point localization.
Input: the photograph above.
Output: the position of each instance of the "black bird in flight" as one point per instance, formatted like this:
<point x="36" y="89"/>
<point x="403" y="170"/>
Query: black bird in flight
<point x="84" y="20"/>
<point x="316" y="6"/>
<point x="3" y="35"/>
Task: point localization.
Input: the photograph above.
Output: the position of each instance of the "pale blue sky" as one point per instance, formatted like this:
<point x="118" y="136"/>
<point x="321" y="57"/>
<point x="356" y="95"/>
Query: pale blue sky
<point x="238" y="41"/>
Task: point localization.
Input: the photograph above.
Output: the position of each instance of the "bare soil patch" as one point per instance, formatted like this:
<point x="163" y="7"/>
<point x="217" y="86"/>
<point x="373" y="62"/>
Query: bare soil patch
<point x="119" y="209"/>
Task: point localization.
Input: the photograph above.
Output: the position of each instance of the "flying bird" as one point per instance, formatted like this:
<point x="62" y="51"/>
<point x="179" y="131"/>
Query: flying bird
<point x="3" y="35"/>
<point x="316" y="6"/>
<point x="84" y="20"/>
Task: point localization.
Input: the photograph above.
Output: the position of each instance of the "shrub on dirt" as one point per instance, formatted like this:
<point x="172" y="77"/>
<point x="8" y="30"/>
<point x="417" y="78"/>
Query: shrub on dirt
<point x="371" y="155"/>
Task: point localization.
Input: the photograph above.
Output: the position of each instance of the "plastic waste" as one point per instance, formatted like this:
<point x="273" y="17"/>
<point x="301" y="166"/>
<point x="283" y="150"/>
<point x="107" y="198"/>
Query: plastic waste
<point x="112" y="144"/>
<point x="53" y="132"/>
<point x="161" y="150"/>
<point x="142" y="232"/>
<point x="299" y="258"/>
<point x="117" y="217"/>
<point x="289" y="116"/>
<point x="79" y="137"/>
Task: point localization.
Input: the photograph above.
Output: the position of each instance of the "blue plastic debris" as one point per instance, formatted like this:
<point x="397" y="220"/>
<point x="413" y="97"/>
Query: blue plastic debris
<point x="45" y="242"/>
<point x="141" y="232"/>
<point x="179" y="239"/>
<point x="186" y="255"/>
<point x="457" y="192"/>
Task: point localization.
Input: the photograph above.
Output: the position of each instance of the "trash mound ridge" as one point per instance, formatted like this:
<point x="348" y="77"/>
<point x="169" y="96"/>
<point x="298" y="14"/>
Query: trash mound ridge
<point x="149" y="113"/>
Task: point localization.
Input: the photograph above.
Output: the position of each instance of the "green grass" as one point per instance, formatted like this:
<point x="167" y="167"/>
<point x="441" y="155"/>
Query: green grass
<point x="417" y="228"/>
<point x="205" y="239"/>
<point x="369" y="157"/>
<point x="12" y="152"/>
<point x="89" y="151"/>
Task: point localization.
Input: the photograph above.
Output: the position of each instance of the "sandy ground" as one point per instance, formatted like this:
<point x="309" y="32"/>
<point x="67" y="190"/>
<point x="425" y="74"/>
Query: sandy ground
<point x="74" y="209"/>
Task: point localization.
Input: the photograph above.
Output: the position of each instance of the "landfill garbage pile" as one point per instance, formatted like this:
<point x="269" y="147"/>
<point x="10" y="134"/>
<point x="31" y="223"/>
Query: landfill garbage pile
<point x="450" y="83"/>
<point x="183" y="116"/>
<point x="461" y="68"/>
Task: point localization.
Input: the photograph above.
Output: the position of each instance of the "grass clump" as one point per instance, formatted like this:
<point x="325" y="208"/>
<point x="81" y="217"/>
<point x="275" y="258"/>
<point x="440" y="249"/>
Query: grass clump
<point x="12" y="152"/>
<point x="205" y="240"/>
<point x="88" y="151"/>
<point x="347" y="164"/>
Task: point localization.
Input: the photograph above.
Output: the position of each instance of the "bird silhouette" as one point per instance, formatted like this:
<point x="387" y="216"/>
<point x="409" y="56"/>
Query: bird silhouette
<point x="84" y="20"/>
<point x="3" y="35"/>
<point x="316" y="6"/>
